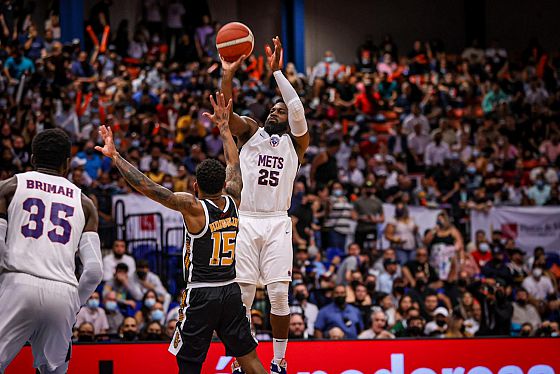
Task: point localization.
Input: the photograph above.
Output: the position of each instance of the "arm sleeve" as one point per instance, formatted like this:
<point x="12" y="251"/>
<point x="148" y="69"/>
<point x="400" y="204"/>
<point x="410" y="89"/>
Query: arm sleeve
<point x="3" y="231"/>
<point x="296" y="113"/>
<point x="90" y="255"/>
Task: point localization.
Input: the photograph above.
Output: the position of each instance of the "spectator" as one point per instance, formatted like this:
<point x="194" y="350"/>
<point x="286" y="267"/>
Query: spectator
<point x="144" y="280"/>
<point x="129" y="330"/>
<point x="420" y="264"/>
<point x="386" y="278"/>
<point x="310" y="311"/>
<point x="324" y="168"/>
<point x="151" y="310"/>
<point x="456" y="328"/>
<point x="93" y="163"/>
<point x="117" y="256"/>
<point x="339" y="314"/>
<point x="436" y="151"/>
<point x="113" y="313"/>
<point x="94" y="314"/>
<point x="121" y="285"/>
<point x="415" y="327"/>
<point x="86" y="333"/>
<point x="377" y="329"/>
<point x="538" y="285"/>
<point x="414" y="119"/>
<point x="401" y="233"/>
<point x="153" y="332"/>
<point x="257" y="323"/>
<point x="368" y="213"/>
<point x="350" y="264"/>
<point x="170" y="327"/>
<point x="438" y="326"/>
<point x="298" y="329"/>
<point x="524" y="312"/>
<point x="17" y="65"/>
<point x="339" y="220"/>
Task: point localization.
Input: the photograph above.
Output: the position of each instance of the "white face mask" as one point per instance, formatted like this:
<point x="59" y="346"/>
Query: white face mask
<point x="483" y="247"/>
<point x="537" y="272"/>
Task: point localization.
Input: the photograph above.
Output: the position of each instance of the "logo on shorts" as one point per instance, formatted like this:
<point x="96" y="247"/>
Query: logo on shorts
<point x="176" y="340"/>
<point x="274" y="141"/>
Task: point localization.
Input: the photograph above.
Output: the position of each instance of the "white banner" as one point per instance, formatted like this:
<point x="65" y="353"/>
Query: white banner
<point x="146" y="226"/>
<point x="530" y="227"/>
<point x="424" y="218"/>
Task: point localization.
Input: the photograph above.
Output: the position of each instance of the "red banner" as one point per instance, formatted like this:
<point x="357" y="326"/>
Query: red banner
<point x="450" y="356"/>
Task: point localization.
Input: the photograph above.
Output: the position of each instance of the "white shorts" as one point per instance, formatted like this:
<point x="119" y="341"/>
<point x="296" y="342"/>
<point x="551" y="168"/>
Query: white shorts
<point x="38" y="311"/>
<point x="264" y="251"/>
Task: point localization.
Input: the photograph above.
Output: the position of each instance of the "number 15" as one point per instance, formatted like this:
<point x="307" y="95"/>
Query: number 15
<point x="223" y="248"/>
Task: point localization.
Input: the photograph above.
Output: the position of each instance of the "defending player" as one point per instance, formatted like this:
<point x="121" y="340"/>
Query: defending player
<point x="270" y="158"/>
<point x="44" y="221"/>
<point x="212" y="300"/>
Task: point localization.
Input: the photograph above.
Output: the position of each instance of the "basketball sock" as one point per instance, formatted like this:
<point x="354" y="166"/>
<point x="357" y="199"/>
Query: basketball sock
<point x="279" y="346"/>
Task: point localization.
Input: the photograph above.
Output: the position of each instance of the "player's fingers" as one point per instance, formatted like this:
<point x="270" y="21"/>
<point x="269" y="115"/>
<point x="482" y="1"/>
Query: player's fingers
<point x="110" y="131"/>
<point x="268" y="50"/>
<point x="98" y="148"/>
<point x="207" y="115"/>
<point x="222" y="100"/>
<point x="240" y="59"/>
<point x="212" y="102"/>
<point x="229" y="104"/>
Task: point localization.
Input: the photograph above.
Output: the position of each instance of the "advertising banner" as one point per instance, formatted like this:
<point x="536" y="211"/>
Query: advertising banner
<point x="438" y="356"/>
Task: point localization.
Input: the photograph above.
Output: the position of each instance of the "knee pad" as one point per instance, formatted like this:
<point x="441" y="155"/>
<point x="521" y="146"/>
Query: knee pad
<point x="278" y="296"/>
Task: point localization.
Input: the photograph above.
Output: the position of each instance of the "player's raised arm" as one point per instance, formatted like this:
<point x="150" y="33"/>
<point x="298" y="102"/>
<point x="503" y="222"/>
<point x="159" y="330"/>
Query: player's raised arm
<point x="180" y="201"/>
<point x="221" y="118"/>
<point x="242" y="127"/>
<point x="296" y="112"/>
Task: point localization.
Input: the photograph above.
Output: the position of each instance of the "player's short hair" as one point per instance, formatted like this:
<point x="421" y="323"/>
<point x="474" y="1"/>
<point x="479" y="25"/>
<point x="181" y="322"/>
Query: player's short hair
<point x="51" y="148"/>
<point x="280" y="101"/>
<point x="211" y="176"/>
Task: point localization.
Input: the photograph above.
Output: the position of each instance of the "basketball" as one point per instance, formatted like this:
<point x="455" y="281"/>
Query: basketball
<point x="234" y="40"/>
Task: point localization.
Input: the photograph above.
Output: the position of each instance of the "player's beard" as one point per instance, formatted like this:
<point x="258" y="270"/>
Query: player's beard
<point x="277" y="128"/>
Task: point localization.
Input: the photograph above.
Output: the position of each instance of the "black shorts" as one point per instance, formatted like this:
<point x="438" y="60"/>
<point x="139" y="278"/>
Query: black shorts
<point x="210" y="309"/>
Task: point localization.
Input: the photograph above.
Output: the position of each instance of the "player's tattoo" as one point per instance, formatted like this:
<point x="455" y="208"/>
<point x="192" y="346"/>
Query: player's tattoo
<point x="234" y="182"/>
<point x="147" y="187"/>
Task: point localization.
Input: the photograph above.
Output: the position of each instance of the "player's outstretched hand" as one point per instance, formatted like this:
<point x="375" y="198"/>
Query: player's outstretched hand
<point x="221" y="112"/>
<point x="232" y="66"/>
<point x="108" y="149"/>
<point x="276" y="58"/>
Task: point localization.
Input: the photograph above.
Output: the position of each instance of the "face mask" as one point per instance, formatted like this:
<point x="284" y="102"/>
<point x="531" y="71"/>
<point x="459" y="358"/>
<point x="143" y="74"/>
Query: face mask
<point x="153" y="337"/>
<point x="85" y="338"/>
<point x="154" y="170"/>
<point x="111" y="306"/>
<point x="299" y="296"/>
<point x="135" y="143"/>
<point x="471" y="170"/>
<point x="340" y="300"/>
<point x="93" y="303"/>
<point x="399" y="289"/>
<point x="400" y="213"/>
<point x="276" y="128"/>
<point x="537" y="272"/>
<point x="462" y="283"/>
<point x="522" y="302"/>
<point x="169" y="186"/>
<point x="354" y="284"/>
<point x="329" y="59"/>
<point x="142" y="275"/>
<point x="440" y="323"/>
<point x="338" y="193"/>
<point x="500" y="295"/>
<point x="157" y="315"/>
<point x="129" y="335"/>
<point x="420" y="283"/>
<point x="484" y="247"/>
<point x="373" y="139"/>
<point x="149" y="302"/>
<point x="524" y="333"/>
<point x="414" y="331"/>
<point x="89" y="151"/>
<point x="370" y="286"/>
<point x="540" y="183"/>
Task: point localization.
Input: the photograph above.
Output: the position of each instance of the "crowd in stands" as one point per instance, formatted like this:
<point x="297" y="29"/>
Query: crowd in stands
<point x="418" y="127"/>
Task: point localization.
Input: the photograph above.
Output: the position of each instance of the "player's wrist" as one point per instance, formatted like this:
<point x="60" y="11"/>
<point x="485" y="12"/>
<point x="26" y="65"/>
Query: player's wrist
<point x="115" y="156"/>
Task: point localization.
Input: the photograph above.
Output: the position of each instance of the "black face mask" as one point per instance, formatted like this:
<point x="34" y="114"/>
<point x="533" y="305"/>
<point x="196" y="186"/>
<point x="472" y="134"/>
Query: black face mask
<point x="340" y="301"/>
<point x="141" y="274"/>
<point x="522" y="302"/>
<point x="500" y="295"/>
<point x="129" y="336"/>
<point x="440" y="323"/>
<point x="420" y="283"/>
<point x="399" y="289"/>
<point x="299" y="296"/>
<point x="414" y="331"/>
<point x="370" y="286"/>
<point x="462" y="283"/>
<point x="276" y="128"/>
<point x="118" y="257"/>
<point x="89" y="151"/>
<point x="153" y="337"/>
<point x="85" y="338"/>
<point x="524" y="333"/>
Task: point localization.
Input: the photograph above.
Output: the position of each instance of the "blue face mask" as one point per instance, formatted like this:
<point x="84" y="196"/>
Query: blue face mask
<point x="338" y="193"/>
<point x="373" y="139"/>
<point x="111" y="306"/>
<point x="157" y="315"/>
<point x="149" y="302"/>
<point x="329" y="59"/>
<point x="93" y="303"/>
<point x="471" y="170"/>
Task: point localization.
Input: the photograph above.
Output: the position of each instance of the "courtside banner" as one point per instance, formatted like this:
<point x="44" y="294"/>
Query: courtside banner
<point x="530" y="227"/>
<point x="441" y="356"/>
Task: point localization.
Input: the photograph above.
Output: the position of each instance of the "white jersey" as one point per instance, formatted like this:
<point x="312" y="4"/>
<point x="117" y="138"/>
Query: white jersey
<point x="269" y="165"/>
<point x="45" y="224"/>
